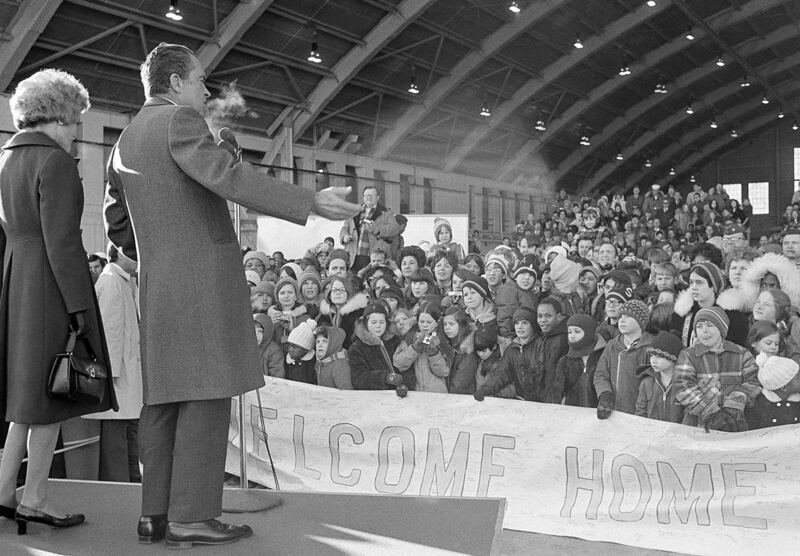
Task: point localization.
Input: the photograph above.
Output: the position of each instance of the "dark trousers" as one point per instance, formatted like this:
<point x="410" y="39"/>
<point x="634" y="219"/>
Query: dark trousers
<point x="182" y="447"/>
<point x="359" y="262"/>
<point x="119" y="453"/>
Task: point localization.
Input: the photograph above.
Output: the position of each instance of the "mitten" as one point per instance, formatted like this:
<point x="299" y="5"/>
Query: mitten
<point x="737" y="415"/>
<point x="721" y="421"/>
<point x="418" y="346"/>
<point x="605" y="405"/>
<point x="402" y="391"/>
<point x="394" y="379"/>
<point x="479" y="394"/>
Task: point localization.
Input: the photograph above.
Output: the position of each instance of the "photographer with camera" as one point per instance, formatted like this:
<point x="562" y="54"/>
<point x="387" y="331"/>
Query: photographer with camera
<point x="374" y="227"/>
<point x="422" y="349"/>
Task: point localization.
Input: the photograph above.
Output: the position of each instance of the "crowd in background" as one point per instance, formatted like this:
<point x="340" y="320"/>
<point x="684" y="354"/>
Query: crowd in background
<point x="657" y="305"/>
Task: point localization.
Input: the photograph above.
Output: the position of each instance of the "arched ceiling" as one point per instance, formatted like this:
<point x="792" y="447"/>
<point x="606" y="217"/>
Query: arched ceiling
<point x="463" y="54"/>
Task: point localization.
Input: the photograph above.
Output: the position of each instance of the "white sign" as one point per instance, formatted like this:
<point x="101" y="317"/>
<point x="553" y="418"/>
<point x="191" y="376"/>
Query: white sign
<point x="563" y="472"/>
<point x="294" y="240"/>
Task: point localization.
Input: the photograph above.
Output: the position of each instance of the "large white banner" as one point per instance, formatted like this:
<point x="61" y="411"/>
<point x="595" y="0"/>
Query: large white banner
<point x="563" y="472"/>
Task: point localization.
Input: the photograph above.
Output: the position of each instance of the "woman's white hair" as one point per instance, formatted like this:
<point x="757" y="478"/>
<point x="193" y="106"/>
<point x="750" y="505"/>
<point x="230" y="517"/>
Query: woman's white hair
<point x="48" y="95"/>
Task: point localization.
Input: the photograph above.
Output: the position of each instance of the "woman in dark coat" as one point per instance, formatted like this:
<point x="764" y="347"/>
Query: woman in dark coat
<point x="46" y="287"/>
<point x="370" y="354"/>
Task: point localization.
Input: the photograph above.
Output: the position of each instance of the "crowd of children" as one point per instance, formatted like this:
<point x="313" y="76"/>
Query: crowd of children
<point x="620" y="306"/>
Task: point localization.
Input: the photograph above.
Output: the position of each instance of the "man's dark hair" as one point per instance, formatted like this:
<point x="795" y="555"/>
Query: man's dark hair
<point x="553" y="302"/>
<point x="707" y="250"/>
<point x="112" y="252"/>
<point x="161" y="63"/>
<point x="378" y="193"/>
<point x="94" y="258"/>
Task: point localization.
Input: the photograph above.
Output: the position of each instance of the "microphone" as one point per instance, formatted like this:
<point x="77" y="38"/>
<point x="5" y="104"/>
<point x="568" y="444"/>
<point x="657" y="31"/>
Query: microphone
<point x="229" y="143"/>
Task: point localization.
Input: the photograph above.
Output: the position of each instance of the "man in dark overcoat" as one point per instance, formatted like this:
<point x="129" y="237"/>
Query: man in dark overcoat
<point x="165" y="201"/>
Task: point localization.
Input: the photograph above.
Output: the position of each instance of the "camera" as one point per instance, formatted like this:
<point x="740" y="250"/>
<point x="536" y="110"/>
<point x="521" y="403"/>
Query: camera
<point x="454" y="295"/>
<point x="427" y="339"/>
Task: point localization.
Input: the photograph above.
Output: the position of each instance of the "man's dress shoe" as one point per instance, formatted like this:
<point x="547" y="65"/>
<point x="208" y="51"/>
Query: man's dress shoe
<point x="184" y="535"/>
<point x="152" y="528"/>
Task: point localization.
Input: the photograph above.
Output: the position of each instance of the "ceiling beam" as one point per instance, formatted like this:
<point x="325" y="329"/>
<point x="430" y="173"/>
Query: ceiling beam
<point x="696" y="159"/>
<point x="666" y="158"/>
<point x="551" y="73"/>
<point x="29" y="22"/>
<point x="230" y="31"/>
<point x="490" y="46"/>
<point x="651" y="59"/>
<point x="349" y="65"/>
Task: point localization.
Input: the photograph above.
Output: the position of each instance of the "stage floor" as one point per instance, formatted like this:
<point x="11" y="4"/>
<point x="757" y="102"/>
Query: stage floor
<point x="306" y="524"/>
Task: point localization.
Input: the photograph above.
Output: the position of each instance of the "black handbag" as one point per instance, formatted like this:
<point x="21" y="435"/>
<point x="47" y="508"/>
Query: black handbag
<point x="77" y="378"/>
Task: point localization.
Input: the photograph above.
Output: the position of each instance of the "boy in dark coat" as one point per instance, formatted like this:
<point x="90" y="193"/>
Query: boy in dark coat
<point x="551" y="345"/>
<point x="574" y="378"/>
<point x="656" y="398"/>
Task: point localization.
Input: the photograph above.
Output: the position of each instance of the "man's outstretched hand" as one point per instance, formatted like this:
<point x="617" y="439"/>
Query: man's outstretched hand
<point x="330" y="203"/>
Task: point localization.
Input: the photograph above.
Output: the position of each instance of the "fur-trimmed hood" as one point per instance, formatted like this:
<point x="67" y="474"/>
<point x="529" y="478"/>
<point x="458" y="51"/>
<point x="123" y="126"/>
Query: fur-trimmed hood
<point x="788" y="276"/>
<point x="684" y="303"/>
<point x="358" y="301"/>
<point x="467" y="345"/>
<point x="737" y="299"/>
<point x="368" y="337"/>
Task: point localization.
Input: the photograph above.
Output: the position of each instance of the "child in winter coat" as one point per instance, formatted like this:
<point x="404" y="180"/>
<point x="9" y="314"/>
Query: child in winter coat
<point x="518" y="365"/>
<point x="270" y="351"/>
<point x="422" y="350"/>
<point x="573" y="383"/>
<point x="300" y="360"/>
<point x="779" y="401"/>
<point x="715" y="379"/>
<point x="461" y="351"/>
<point x="288" y="311"/>
<point x="551" y="345"/>
<point x="615" y="379"/>
<point x="333" y="369"/>
<point x="371" y="366"/>
<point x="656" y="398"/>
<point x="488" y="361"/>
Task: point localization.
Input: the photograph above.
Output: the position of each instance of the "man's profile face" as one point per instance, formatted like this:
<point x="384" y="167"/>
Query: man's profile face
<point x="96" y="267"/>
<point x="193" y="90"/>
<point x="370" y="197"/>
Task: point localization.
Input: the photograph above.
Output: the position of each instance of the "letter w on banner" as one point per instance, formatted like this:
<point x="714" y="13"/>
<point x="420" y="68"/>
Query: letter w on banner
<point x="563" y="472"/>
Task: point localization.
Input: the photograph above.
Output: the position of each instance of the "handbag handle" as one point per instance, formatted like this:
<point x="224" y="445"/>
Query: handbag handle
<point x="73" y="339"/>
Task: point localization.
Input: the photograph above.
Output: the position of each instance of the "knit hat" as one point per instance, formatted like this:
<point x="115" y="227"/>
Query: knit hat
<point x="310" y="274"/>
<point x="498" y="259"/>
<point x="558" y="249"/>
<point x="775" y="372"/>
<point x="666" y="345"/>
<point x="620" y="277"/>
<point x="485" y="338"/>
<point x="716" y="316"/>
<point x="252" y="277"/>
<point x="636" y="310"/>
<point x="265" y="287"/>
<point x="438" y="224"/>
<point x="589" y="268"/>
<point x="529" y="264"/>
<point x="712" y="273"/>
<point x="525" y="313"/>
<point x="376" y="306"/>
<point x="479" y="284"/>
<point x="338" y="254"/>
<point x="303" y="334"/>
<point x="564" y="273"/>
<point x="260" y="255"/>
<point x="393" y="292"/>
<point x="295" y="268"/>
<point x="284" y="281"/>
<point x="734" y="228"/>
<point x="623" y="294"/>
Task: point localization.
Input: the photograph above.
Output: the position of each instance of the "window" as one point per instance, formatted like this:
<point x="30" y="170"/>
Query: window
<point x="758" y="193"/>
<point x="796" y="168"/>
<point x="734" y="191"/>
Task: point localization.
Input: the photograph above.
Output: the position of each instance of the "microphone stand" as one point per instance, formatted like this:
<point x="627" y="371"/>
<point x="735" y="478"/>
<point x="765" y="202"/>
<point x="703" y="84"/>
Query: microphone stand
<point x="243" y="499"/>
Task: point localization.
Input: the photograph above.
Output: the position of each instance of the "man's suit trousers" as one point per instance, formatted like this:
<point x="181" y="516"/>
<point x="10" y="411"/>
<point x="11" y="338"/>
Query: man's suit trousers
<point x="182" y="446"/>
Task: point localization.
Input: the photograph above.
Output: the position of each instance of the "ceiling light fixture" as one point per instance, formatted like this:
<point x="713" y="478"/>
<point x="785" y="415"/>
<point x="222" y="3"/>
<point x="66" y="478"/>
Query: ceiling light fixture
<point x="733" y="133"/>
<point x="691" y="179"/>
<point x="672" y="171"/>
<point x="651" y="3"/>
<point x="540" y="126"/>
<point x="485" y="112"/>
<point x="313" y="55"/>
<point x="781" y="115"/>
<point x="174" y="12"/>
<point x="765" y="100"/>
<point x="412" y="87"/>
<point x="720" y="61"/>
<point x="624" y="70"/>
<point x="744" y="82"/>
<point x="660" y="89"/>
<point x="689" y="35"/>
<point x="794" y="126"/>
<point x="689" y="109"/>
<point x="578" y="43"/>
<point x="619" y="155"/>
<point x="713" y="124"/>
<point x="647" y="163"/>
<point x="585" y="140"/>
<point x="514" y="7"/>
